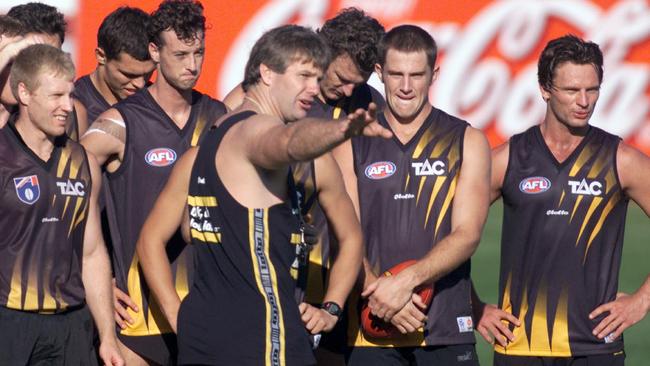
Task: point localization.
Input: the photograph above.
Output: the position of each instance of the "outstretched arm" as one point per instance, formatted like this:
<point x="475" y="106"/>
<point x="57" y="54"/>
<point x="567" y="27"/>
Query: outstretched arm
<point x="161" y="224"/>
<point x="272" y="145"/>
<point x="627" y="310"/>
<point x="390" y="294"/>
<point x="96" y="275"/>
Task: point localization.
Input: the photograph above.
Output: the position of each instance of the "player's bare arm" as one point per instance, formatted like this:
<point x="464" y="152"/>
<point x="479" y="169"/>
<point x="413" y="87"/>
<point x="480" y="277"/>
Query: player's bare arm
<point x="343" y="223"/>
<point x="96" y="275"/>
<point x="343" y="156"/>
<point x="106" y="139"/>
<point x="271" y="144"/>
<point x="492" y="322"/>
<point x="390" y="294"/>
<point x="628" y="309"/>
<point x="500" y="155"/>
<point x="161" y="224"/>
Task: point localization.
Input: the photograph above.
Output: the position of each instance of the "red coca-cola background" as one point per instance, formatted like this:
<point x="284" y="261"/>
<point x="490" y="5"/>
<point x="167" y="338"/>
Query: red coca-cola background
<point x="488" y="50"/>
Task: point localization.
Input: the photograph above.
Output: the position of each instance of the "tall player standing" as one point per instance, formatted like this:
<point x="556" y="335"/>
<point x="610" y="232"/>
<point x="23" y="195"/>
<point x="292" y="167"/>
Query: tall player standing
<point x="565" y="186"/>
<point x="141" y="138"/>
<point x="53" y="259"/>
<point x="430" y="205"/>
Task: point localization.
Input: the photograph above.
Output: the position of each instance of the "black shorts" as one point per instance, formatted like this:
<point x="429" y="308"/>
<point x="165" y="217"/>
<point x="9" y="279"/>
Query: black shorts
<point x="611" y="359"/>
<point x="161" y="349"/>
<point x="28" y="338"/>
<point x="461" y="355"/>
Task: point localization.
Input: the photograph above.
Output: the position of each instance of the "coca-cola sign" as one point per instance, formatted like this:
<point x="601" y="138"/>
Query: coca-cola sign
<point x="488" y="52"/>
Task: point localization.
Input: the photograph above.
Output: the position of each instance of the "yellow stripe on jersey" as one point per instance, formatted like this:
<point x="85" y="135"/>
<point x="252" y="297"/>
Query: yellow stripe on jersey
<point x="445" y="205"/>
<point x="594" y="204"/>
<point x="73" y="222"/>
<point x="520" y="345"/>
<point x="422" y="181"/>
<point x="427" y="136"/>
<point x="274" y="281"/>
<point x="31" y="293"/>
<point x="206" y="236"/>
<point x="139" y="325"/>
<point x="610" y="181"/>
<point x="584" y="156"/>
<point x="266" y="279"/>
<point x="198" y="129"/>
<point x="539" y="341"/>
<point x="599" y="224"/>
<point x="202" y="201"/>
<point x="182" y="281"/>
<point x="434" y="194"/>
<point x="575" y="207"/>
<point x="337" y="112"/>
<point x="63" y="162"/>
<point x="561" y="199"/>
<point x="258" y="281"/>
<point x="14" y="299"/>
<point x="560" y="338"/>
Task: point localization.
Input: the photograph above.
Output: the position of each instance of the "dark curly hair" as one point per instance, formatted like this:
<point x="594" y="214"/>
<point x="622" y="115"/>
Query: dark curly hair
<point x="353" y="32"/>
<point x="125" y="30"/>
<point x="39" y="18"/>
<point x="184" y="17"/>
<point x="10" y="27"/>
<point x="281" y="46"/>
<point x="408" y="38"/>
<point x="569" y="48"/>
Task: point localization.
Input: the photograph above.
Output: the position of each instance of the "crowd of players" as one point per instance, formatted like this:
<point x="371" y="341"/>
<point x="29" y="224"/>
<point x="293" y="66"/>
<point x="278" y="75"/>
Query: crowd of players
<point x="146" y="223"/>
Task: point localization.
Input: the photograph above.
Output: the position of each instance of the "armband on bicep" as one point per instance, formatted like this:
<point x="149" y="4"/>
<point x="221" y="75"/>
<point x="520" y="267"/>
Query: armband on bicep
<point x="109" y="126"/>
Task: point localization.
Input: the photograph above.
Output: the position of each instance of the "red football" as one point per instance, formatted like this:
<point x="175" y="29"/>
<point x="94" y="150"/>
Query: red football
<point x="375" y="327"/>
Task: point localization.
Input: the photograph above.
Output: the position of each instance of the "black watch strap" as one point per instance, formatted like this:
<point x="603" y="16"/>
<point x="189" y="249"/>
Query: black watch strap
<point x="332" y="308"/>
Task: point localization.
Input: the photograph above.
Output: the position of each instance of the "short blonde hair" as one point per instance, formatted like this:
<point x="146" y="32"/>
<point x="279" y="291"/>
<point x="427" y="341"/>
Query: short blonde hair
<point x="36" y="60"/>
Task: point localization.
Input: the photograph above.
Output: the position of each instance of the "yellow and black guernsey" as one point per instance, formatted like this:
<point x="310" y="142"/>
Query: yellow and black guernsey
<point x="153" y="144"/>
<point x="406" y="193"/>
<point x="241" y="308"/>
<point x="43" y="218"/>
<point x="561" y="245"/>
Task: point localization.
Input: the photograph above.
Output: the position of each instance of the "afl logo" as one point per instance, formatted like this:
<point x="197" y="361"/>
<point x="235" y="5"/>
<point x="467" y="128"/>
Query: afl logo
<point x="535" y="185"/>
<point x="380" y="170"/>
<point x="160" y="157"/>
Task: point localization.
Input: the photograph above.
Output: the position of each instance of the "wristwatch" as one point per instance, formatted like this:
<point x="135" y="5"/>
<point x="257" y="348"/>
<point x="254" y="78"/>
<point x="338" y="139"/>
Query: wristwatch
<point x="332" y="308"/>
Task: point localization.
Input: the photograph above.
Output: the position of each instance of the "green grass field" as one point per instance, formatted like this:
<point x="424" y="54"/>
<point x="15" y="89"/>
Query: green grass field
<point x="635" y="268"/>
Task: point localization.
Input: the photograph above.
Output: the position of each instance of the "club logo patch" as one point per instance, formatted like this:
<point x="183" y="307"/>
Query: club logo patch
<point x="535" y="185"/>
<point x="27" y="189"/>
<point x="160" y="157"/>
<point x="380" y="170"/>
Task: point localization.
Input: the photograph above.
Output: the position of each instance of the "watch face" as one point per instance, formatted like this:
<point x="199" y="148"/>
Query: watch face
<point x="332" y="308"/>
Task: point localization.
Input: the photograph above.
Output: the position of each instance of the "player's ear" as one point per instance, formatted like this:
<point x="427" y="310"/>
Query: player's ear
<point x="23" y="94"/>
<point x="266" y="74"/>
<point x="154" y="52"/>
<point x="434" y="76"/>
<point x="378" y="70"/>
<point x="100" y="55"/>
<point x="546" y="95"/>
